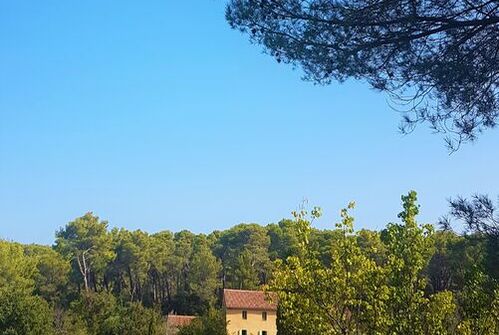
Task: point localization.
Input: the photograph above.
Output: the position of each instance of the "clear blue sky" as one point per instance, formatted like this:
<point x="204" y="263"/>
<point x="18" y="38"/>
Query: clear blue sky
<point x="155" y="115"/>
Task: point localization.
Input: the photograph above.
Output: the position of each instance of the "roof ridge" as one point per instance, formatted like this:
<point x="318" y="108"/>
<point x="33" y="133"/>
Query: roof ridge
<point x="237" y="290"/>
<point x="248" y="299"/>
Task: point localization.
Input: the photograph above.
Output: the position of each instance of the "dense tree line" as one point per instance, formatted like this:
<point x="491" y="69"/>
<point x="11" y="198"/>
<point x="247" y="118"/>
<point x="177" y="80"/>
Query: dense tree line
<point x="97" y="280"/>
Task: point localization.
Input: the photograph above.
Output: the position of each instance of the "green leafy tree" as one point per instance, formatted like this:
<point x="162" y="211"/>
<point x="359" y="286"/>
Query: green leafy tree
<point x="204" y="273"/>
<point x="99" y="312"/>
<point x="21" y="312"/>
<point x="51" y="278"/>
<point x="409" y="248"/>
<point x="86" y="242"/>
<point x="180" y="265"/>
<point x="479" y="304"/>
<point x="244" y="253"/>
<point x="372" y="284"/>
<point x="283" y="239"/>
<point x="344" y="297"/>
<point x="130" y="267"/>
<point x="135" y="319"/>
<point x="102" y="314"/>
<point x="68" y="322"/>
<point x="211" y="323"/>
<point x="24" y="314"/>
<point x="162" y="248"/>
<point x="480" y="218"/>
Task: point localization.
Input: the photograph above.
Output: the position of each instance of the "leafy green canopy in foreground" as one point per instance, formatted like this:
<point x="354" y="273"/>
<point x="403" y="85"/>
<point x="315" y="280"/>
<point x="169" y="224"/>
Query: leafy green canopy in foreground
<point x="376" y="284"/>
<point x="406" y="279"/>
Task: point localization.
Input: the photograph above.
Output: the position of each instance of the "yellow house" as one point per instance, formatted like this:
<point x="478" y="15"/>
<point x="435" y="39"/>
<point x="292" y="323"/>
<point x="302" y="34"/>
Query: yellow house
<point x="249" y="313"/>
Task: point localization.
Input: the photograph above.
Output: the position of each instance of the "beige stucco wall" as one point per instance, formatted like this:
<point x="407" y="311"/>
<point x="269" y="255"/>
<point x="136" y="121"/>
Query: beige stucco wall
<point x="253" y="324"/>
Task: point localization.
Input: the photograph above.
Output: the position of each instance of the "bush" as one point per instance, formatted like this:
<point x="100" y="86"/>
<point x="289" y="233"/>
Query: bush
<point x="212" y="323"/>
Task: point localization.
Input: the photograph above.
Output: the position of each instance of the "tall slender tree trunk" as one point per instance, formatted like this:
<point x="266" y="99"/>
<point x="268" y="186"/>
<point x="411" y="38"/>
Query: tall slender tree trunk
<point x="132" y="287"/>
<point x="82" y="266"/>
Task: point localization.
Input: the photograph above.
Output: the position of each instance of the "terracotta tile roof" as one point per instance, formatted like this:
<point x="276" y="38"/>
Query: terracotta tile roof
<point x="176" y="321"/>
<point x="242" y="299"/>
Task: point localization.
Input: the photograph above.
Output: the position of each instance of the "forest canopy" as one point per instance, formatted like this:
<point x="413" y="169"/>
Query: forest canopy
<point x="407" y="278"/>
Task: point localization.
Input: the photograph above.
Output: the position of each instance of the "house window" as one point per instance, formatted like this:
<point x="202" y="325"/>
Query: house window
<point x="264" y="332"/>
<point x="245" y="316"/>
<point x="264" y="318"/>
<point x="244" y="332"/>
